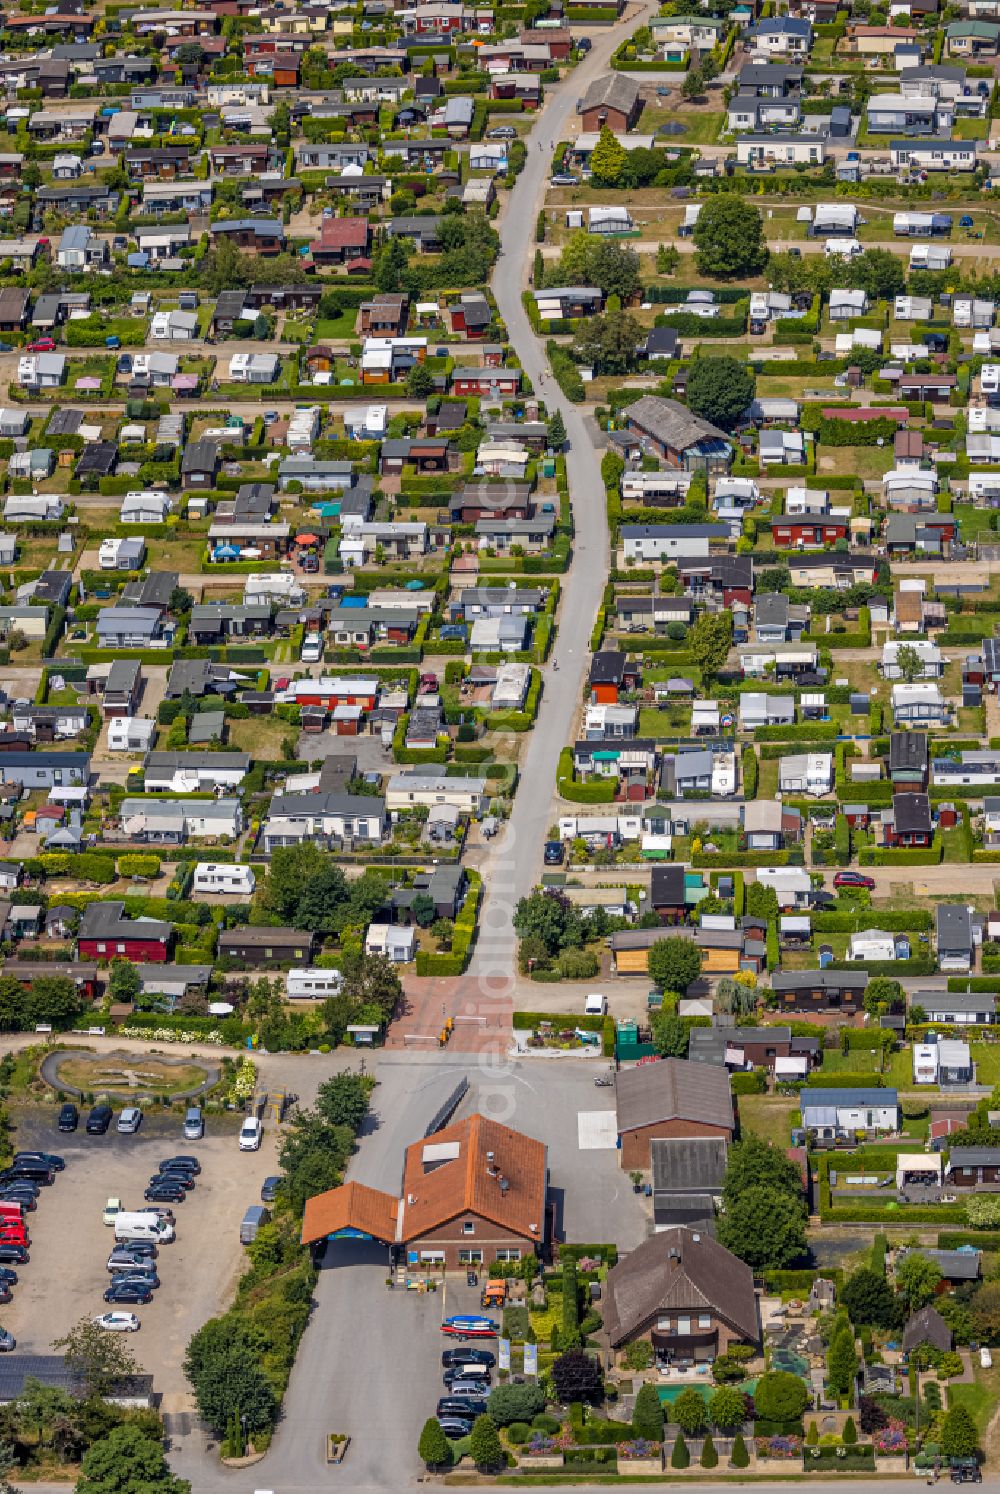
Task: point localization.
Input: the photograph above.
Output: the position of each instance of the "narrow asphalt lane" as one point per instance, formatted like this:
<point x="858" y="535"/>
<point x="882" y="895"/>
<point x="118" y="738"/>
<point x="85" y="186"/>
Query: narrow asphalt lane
<point x="513" y="867"/>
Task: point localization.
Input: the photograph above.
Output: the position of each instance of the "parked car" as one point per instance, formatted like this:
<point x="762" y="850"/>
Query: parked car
<point x="146" y="1275"/>
<point x="7" y="1276"/>
<point x="251" y="1134"/>
<point x="69" y="1117"/>
<point x="118" y="1322"/>
<point x="9" y="1251"/>
<point x="135" y="1253"/>
<point x="455" y="1426"/>
<point x="194" y="1124"/>
<point x="554" y="853"/>
<point x="565" y="179"/>
<point x="269" y="1189"/>
<point x="42" y="345"/>
<point x="99" y="1120"/>
<point x="7" y="1341"/>
<point x="185" y="1161"/>
<point x="174" y="1175"/>
<point x="460" y="1406"/>
<point x="163" y="1191"/>
<point x="112" y="1209"/>
<point x="52" y="1160"/>
<point x="128" y="1291"/>
<point x="451" y="1357"/>
<point x="130" y="1120"/>
<point x="501" y="132"/>
<point x="854" y="879"/>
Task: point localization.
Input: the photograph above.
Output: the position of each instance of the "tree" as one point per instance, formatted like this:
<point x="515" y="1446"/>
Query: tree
<point x="727" y="1408"/>
<point x="434" y="1447"/>
<point x="765" y="1228"/>
<point x="958" y="1433"/>
<point x="54" y="999"/>
<point x="511" y="1402"/>
<point x="908" y="660"/>
<point x="101" y="1359"/>
<point x="674" y="963"/>
<point x="780" y="1396"/>
<point x="124" y="980"/>
<point x="423" y="910"/>
<point x="484" y="1445"/>
<point x="577" y="1376"/>
<point x="689" y="1412"/>
<point x="551" y="918"/>
<point x="372" y="980"/>
<point x="608" y="343"/>
<point x="670" y="1035"/>
<point x="983" y="1209"/>
<point x="985" y="1311"/>
<point x="710" y="640"/>
<point x="878" y="272"/>
<point x="419" y="381"/>
<point x="755" y="1163"/>
<point x="679" y="1456"/>
<point x="555" y="433"/>
<point x="389" y="263"/>
<point x="869" y="1299"/>
<point x="761" y="902"/>
<point x="343" y="1100"/>
<point x="841" y="1361"/>
<point x="694" y="84"/>
<point x="647" y="1414"/>
<point x="729" y="237"/>
<point x="709" y="1456"/>
<point x="667" y="258"/>
<point x="223" y="1364"/>
<point x="850" y="1433"/>
<point x="614" y="267"/>
<point x="720" y="390"/>
<point x="607" y="160"/>
<point x="917" y="1277"/>
<point x="126" y="1461"/>
<point x="180" y="600"/>
<point x="740" y="1457"/>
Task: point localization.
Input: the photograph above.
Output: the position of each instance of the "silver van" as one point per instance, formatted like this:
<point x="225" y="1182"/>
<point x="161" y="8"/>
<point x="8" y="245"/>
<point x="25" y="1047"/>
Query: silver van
<point x="255" y="1216"/>
<point x="194" y="1124"/>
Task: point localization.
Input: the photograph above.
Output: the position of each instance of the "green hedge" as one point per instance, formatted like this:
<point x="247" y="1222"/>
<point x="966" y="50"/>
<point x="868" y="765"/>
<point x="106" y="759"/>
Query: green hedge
<point x="901" y="855"/>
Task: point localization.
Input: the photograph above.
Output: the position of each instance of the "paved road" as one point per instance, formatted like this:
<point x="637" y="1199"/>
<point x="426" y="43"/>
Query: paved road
<point x="513" y="867"/>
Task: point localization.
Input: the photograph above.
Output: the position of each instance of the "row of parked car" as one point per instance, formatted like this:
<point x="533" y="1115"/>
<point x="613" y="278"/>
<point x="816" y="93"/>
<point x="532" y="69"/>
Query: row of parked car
<point x="139" y="1234"/>
<point x="467" y="1384"/>
<point x="20" y="1186"/>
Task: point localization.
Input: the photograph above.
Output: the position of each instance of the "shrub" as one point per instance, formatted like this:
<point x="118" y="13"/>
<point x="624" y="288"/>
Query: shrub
<point x="510" y="1403"/>
<point x="518" y="1433"/>
<point x="679" y="1456"/>
<point x="709" y="1456"/>
<point x="740" y="1458"/>
<point x="850" y="1434"/>
<point x="647" y="1417"/>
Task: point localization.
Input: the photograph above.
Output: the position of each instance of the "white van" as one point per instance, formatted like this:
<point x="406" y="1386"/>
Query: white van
<point x="251" y="1133"/>
<point x="312" y="648"/>
<point x="595" y="1005"/>
<point x="135" y="1226"/>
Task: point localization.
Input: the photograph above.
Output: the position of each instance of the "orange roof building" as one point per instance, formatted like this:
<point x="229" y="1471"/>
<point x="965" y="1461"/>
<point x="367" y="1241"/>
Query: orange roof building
<point x="473" y="1193"/>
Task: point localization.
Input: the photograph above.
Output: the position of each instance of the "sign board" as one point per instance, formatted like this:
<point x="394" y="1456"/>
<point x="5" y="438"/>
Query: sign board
<point x="531" y="1359"/>
<point x="503" y="1361"/>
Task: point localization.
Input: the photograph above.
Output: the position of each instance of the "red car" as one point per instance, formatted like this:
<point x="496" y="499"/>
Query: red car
<point x="854" y="879"/>
<point x="42" y="345"/>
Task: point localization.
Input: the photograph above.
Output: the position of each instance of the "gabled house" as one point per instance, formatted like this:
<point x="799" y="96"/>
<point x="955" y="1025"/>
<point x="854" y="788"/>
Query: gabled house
<point x="954" y="933"/>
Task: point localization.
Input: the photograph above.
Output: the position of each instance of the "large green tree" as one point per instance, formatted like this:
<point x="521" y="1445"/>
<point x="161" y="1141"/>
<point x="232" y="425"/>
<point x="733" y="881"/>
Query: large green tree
<point x="485" y="1447"/>
<point x="727" y="1408"/>
<point x="127" y="1461"/>
<point x="647" y="1414"/>
<point x="765" y="1228"/>
<point x="101" y="1359"/>
<point x="869" y="1299"/>
<point x="223" y="1364"/>
<point x="755" y="1163"/>
<point x="841" y="1360"/>
<point x="434" y="1448"/>
<point x="958" y="1433"/>
<point x="670" y="1035"/>
<point x="673" y="963"/>
<point x="720" y="389"/>
<point x="608" y="343"/>
<point x="780" y="1396"/>
<point x="710" y="640"/>
<point x="607" y="159"/>
<point x="690" y="1412"/>
<point x="343" y="1099"/>
<point x="729" y="237"/>
<point x="917" y="1279"/>
<point x="878" y="272"/>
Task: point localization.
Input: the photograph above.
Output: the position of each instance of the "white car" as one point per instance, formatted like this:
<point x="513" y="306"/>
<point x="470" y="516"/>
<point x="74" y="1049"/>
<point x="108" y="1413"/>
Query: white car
<point x="251" y="1134"/>
<point x="118" y="1322"/>
<point x="130" y="1120"/>
<point x="312" y="648"/>
<point x="986" y="1359"/>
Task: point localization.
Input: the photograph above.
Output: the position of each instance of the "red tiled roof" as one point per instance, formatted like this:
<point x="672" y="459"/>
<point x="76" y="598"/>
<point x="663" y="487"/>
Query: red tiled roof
<point x="485" y="1152"/>
<point x="343" y="233"/>
<point x="352" y="1206"/>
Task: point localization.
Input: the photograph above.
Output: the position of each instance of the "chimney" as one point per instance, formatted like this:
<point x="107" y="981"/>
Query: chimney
<point x="504" y="1186"/>
<point x="673" y="1254"/>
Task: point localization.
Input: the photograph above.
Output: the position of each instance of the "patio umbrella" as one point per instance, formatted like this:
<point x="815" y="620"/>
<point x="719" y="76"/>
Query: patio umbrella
<point x="307" y="539"/>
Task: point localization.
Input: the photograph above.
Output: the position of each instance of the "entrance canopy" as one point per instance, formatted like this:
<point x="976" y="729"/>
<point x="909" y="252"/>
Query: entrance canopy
<point x="351" y="1212"/>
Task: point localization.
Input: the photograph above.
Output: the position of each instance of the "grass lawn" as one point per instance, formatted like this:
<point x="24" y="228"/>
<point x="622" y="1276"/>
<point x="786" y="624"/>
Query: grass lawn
<point x="986" y="1057"/>
<point x="980" y="1398"/>
<point x="337" y="328"/>
<point x="701" y="128"/>
<point x="860" y="1061"/>
<point x="900" y="1074"/>
<point x="260" y="735"/>
<point x="973" y="522"/>
<point x="768" y="1117"/>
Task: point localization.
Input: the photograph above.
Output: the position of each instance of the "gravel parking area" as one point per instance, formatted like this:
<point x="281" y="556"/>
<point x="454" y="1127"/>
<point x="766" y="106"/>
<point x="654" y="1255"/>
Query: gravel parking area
<point x="66" y="1275"/>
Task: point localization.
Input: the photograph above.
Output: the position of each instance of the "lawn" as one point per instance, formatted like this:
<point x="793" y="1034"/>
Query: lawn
<point x="980" y="1398"/>
<point x="338" y="328"/>
<point x="973" y="522"/>
<point x="701" y="128"/>
<point x="262" y="736"/>
<point x="900" y="1074"/>
<point x="986" y="1057"/>
<point x="859" y="1061"/>
<point x="768" y="1117"/>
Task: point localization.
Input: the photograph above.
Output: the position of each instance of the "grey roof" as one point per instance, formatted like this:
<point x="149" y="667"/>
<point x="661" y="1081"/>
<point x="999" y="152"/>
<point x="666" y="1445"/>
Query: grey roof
<point x="671" y="422"/>
<point x="169" y="762"/>
<point x="927" y="1326"/>
<point x="682" y="1270"/>
<point x="673" y="1089"/>
<point x="954" y="926"/>
<point x="794" y="980"/>
<point x="613" y="90"/>
<point x="819" y="1099"/>
<point x="974" y="1156"/>
<point x="688" y="1163"/>
<point x="52" y="1370"/>
<point x="954" y="1265"/>
<point x="101" y="920"/>
<point x="265" y="937"/>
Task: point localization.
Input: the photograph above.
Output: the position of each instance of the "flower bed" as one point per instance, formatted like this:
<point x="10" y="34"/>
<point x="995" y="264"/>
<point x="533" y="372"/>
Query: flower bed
<point x="782" y="1449"/>
<point x="642" y="1457"/>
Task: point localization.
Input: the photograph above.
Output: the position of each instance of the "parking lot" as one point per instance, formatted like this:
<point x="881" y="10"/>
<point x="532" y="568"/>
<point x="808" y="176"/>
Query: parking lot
<point x="66" y="1275"/>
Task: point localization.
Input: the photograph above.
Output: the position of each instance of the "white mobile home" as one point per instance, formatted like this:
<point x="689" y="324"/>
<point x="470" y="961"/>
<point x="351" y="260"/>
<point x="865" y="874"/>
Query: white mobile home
<point x="312" y="984"/>
<point x="212" y="876"/>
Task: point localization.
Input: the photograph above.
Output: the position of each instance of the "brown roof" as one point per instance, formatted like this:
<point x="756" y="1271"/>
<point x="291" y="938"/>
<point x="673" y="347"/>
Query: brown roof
<point x="673" y="1089"/>
<point x="927" y="1326"/>
<point x="908" y="444"/>
<point x="909" y="607"/>
<point x="351" y="1207"/>
<point x="679" y="1270"/>
<point x="342" y="233"/>
<point x="483" y="1155"/>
